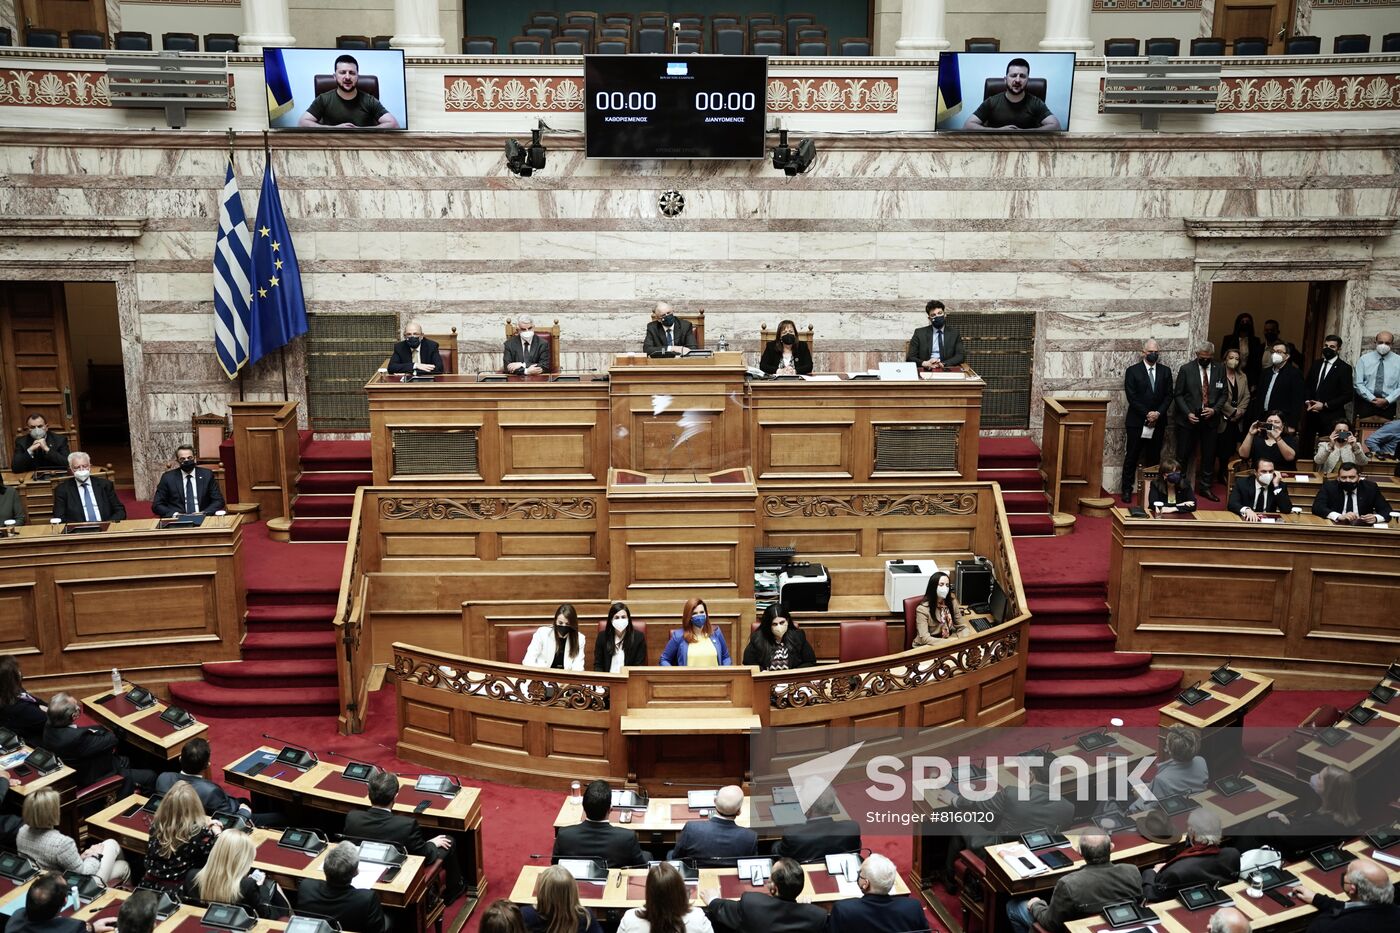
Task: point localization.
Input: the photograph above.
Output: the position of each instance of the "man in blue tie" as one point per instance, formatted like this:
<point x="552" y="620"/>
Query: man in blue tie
<point x="86" y="498"/>
<point x="189" y="489"/>
<point x="1377" y="376"/>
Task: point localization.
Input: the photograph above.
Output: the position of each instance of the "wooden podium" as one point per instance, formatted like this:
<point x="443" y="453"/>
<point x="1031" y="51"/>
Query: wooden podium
<point x="682" y="413"/>
<point x="676" y="535"/>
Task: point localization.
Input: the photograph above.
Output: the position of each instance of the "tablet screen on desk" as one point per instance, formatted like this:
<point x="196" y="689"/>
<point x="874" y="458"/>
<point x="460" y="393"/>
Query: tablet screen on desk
<point x="700" y="799"/>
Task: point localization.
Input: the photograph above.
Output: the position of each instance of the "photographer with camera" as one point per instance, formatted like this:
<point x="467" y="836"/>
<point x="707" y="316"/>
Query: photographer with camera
<point x="1341" y="446"/>
<point x="1270" y="440"/>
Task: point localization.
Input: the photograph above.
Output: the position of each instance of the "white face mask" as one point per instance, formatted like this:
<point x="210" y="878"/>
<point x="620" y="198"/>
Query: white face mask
<point x="779" y="630"/>
<point x="1266" y="479"/>
<point x="1381" y="348"/>
<point x="37" y="433"/>
<point x="619" y="624"/>
<point x="1276" y="359"/>
<point x="82" y="475"/>
<point x="943" y="591"/>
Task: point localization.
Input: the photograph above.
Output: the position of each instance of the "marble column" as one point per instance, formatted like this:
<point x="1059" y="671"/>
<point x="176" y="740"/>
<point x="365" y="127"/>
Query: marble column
<point x="265" y="23"/>
<point x="416" y="27"/>
<point x="1067" y="26"/>
<point x="921" y="29"/>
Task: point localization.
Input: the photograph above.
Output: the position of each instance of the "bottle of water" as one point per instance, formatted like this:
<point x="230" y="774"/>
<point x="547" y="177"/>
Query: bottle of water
<point x="116" y="682"/>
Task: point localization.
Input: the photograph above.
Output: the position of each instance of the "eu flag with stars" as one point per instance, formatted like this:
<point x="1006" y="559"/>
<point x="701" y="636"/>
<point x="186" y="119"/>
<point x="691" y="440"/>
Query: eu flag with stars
<point x="278" y="310"/>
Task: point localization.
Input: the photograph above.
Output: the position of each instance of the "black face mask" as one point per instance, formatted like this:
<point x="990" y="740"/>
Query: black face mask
<point x="1151" y="357"/>
<point x="669" y="320"/>
<point x="562" y="631"/>
<point x="789" y="340"/>
<point x="1347" y="486"/>
<point x="413" y="342"/>
<point x="187" y="465"/>
<point x="1328" y="353"/>
<point x="937" y="322"/>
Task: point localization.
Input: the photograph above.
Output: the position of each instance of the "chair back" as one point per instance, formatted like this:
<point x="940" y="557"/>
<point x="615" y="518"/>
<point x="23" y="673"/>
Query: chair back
<point x="220" y="42"/>
<point x="1302" y="45"/>
<point x="353" y="43"/>
<point x="447" y="349"/>
<point x="382" y="43"/>
<point x="526" y="45"/>
<point x="132" y="41"/>
<point x="368" y="84"/>
<point x="550" y="337"/>
<point x="768" y="47"/>
<point x="767" y="335"/>
<point x="616" y="19"/>
<point x="541" y="32"/>
<point x="478" y="45"/>
<point x="207" y="432"/>
<point x="854" y="46"/>
<point x="517" y="643"/>
<point x="729" y="40"/>
<point x="86" y="39"/>
<point x="911" y="619"/>
<point x="982" y="44"/>
<point x="815" y="48"/>
<point x="1353" y="44"/>
<point x="583" y="35"/>
<point x="651" y="39"/>
<point x="766" y="33"/>
<point x="615" y="31"/>
<point x="792" y="22"/>
<point x="43" y="38"/>
<point x="6" y="37"/>
<point x="864" y="638"/>
<point x="1252" y="45"/>
<point x="566" y="45"/>
<point x="1208" y="45"/>
<point x="179" y="42"/>
<point x="688" y="47"/>
<point x="612" y="47"/>
<point x="994" y="86"/>
<point x="654" y="18"/>
<point x="1121" y="48"/>
<point x="762" y="19"/>
<point x="1169" y="47"/>
<point x="545" y="18"/>
<point x="1390" y="42"/>
<point x="587" y="17"/>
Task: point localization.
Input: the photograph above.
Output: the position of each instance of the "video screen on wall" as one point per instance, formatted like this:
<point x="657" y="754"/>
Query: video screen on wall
<point x="675" y="107"/>
<point x="1004" y="92"/>
<point x="335" y="89"/>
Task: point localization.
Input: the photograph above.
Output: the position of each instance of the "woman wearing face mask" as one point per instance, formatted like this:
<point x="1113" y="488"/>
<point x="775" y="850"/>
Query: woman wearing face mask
<point x="1270" y="440"/>
<point x="697" y="643"/>
<point x="937" y="617"/>
<point x="1170" y="492"/>
<point x="558" y="646"/>
<point x="778" y="644"/>
<point x="1332" y="815"/>
<point x="1340" y="446"/>
<point x="1250" y="347"/>
<point x="1232" y="412"/>
<point x="619" y="644"/>
<point x="786" y="356"/>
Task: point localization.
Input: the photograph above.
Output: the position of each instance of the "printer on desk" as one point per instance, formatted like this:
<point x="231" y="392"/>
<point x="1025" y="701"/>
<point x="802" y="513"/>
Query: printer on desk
<point x="804" y="587"/>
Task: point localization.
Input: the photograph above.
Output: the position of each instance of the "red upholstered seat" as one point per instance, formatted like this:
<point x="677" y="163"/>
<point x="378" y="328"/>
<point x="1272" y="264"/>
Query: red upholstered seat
<point x="517" y="643"/>
<point x="911" y="628"/>
<point x="863" y="638"/>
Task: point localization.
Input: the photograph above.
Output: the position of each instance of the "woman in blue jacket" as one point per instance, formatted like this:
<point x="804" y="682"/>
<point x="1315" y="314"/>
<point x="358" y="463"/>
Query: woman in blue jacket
<point x="697" y="643"/>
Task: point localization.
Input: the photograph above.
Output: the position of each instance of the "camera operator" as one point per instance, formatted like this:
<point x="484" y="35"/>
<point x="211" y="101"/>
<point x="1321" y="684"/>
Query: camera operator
<point x="1270" y="440"/>
<point x="1341" y="446"/>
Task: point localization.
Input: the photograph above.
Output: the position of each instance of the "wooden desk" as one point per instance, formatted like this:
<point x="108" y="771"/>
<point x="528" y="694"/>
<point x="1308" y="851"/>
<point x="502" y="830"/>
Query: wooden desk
<point x="142" y="728"/>
<point x="184" y="918"/>
<point x="322" y="788"/>
<point x="160" y="602"/>
<point x="1366" y="747"/>
<point x="1303" y="486"/>
<point x="63" y="781"/>
<point x="665" y="817"/>
<point x="1220" y="715"/>
<point x="37" y="494"/>
<point x="1305" y="602"/>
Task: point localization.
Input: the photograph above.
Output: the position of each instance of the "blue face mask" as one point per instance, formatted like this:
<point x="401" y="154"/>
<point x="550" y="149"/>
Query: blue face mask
<point x="699" y="619"/>
<point x="1174" y="477"/>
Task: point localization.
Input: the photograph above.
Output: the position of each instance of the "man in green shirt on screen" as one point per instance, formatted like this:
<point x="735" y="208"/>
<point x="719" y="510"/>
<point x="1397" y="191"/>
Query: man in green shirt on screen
<point x="346" y="105"/>
<point x="1014" y="109"/>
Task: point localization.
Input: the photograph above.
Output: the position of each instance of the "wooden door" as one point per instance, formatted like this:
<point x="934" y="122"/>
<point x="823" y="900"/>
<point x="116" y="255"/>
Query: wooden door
<point x="63" y="15"/>
<point x="38" y="366"/>
<point x="1235" y="19"/>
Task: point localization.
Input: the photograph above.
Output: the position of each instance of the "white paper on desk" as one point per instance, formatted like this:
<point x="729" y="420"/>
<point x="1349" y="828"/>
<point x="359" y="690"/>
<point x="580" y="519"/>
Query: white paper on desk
<point x="1385" y="857"/>
<point x="1268" y="521"/>
<point x="823" y="377"/>
<point x="1380" y="525"/>
<point x="848" y="888"/>
<point x="1014" y="855"/>
<point x="1301" y="478"/>
<point x="952" y="375"/>
<point x="367" y="874"/>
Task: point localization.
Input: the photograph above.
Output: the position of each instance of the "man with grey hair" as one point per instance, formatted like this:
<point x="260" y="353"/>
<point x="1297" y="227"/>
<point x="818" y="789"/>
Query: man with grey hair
<point x="876" y="910"/>
<point x="668" y="332"/>
<point x="1203" y="861"/>
<point x="1229" y="920"/>
<point x="1080" y="893"/>
<point x="335" y="899"/>
<point x="1147" y="384"/>
<point x="84" y="497"/>
<point x="526" y="354"/>
<point x="415" y="354"/>
<point x="90" y="751"/>
<point x="1369" y="908"/>
<point x="719" y="837"/>
<point x="1200" y="391"/>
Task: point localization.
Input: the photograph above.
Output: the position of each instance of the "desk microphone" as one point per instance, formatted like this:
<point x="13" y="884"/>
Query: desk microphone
<point x="1096" y="730"/>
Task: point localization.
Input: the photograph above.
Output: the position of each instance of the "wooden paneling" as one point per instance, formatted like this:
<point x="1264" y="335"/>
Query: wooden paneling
<point x="267" y="454"/>
<point x="17" y="615"/>
<point x="1072" y="450"/>
<point x="35" y="360"/>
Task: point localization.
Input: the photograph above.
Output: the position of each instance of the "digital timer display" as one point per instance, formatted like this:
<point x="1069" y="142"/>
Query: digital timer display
<point x="675" y="107"/>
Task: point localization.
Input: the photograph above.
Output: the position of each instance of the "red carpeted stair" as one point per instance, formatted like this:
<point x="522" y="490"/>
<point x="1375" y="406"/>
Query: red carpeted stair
<point x="330" y="472"/>
<point x="1014" y="462"/>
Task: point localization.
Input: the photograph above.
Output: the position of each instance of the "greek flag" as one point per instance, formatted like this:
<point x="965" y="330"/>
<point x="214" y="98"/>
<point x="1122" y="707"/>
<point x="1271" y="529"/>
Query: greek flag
<point x="233" y="268"/>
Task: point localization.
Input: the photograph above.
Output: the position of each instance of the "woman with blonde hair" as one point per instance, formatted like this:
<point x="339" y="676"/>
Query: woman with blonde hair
<point x="557" y="908"/>
<point x="181" y="837"/>
<point x="229" y="878"/>
<point x="40" y="839"/>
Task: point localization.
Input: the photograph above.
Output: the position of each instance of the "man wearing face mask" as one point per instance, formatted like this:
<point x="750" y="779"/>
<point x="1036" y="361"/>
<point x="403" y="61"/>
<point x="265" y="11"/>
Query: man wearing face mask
<point x="1327" y="390"/>
<point x="189" y="489"/>
<point x="938" y="346"/>
<point x="1255" y="495"/>
<point x="1148" y="387"/>
<point x="86" y="498"/>
<point x="1200" y="391"/>
<point x="668" y="332"/>
<point x="1378" y="379"/>
<point x="39" y="449"/>
<point x="415" y="354"/>
<point x="526" y="354"/>
<point x="1280" y="387"/>
<point x="1351" y="500"/>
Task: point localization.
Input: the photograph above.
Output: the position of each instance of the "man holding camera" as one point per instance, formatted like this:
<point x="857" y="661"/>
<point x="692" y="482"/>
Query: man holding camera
<point x="1200" y="391"/>
<point x="1328" y="388"/>
<point x="1351" y="500"/>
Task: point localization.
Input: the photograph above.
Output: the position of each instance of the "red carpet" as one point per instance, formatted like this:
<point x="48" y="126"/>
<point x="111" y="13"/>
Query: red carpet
<point x="330" y="473"/>
<point x="1014" y="462"/>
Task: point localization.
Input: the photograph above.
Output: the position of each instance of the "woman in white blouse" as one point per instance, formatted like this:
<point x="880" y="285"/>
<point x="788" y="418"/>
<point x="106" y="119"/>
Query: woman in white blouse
<point x="667" y="908"/>
<point x="558" y="646"/>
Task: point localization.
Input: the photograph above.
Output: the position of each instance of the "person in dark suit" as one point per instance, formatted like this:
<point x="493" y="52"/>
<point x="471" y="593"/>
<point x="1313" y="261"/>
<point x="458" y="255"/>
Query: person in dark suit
<point x="1351" y="500"/>
<point x="416" y="354"/>
<point x="778" y="644"/>
<point x="381" y="824"/>
<point x="1200" y="392"/>
<point x="1148" y="387"/>
<point x="1203" y="861"/>
<point x="1080" y="893"/>
<point x="84" y="496"/>
<point x="136" y="915"/>
<point x="334" y="898"/>
<point x="525" y="354"/>
<point x="787" y="355"/>
<point x="620" y="644"/>
<point x="40" y="448"/>
<point x="91" y="752"/>
<point x="42" y="904"/>
<point x="667" y="331"/>
<point x="1260" y="493"/>
<point x="938" y="346"/>
<point x="776" y="911"/>
<point x="719" y="837"/>
<point x="194" y="770"/>
<point x="823" y="834"/>
<point x="1368" y="909"/>
<point x="595" y="837"/>
<point x="1280" y="387"/>
<point x="1327" y="391"/>
<point x="20" y="711"/>
<point x="1171" y="489"/>
<point x="876" y="910"/>
<point x="173" y="495"/>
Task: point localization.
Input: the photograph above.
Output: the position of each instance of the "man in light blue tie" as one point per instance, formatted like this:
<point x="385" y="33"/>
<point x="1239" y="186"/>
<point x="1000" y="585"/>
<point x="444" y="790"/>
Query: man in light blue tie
<point x="84" y="497"/>
<point x="1377" y="376"/>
